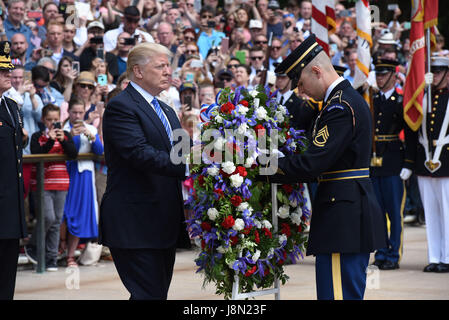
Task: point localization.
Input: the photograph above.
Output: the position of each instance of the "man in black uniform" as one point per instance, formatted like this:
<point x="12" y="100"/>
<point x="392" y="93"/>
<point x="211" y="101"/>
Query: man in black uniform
<point x="346" y="222"/>
<point x="12" y="218"/>
<point x="389" y="160"/>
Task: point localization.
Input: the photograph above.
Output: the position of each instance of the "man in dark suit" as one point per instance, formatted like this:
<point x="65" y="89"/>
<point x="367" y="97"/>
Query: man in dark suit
<point x="141" y="215"/>
<point x="12" y="217"/>
<point x="346" y="222"/>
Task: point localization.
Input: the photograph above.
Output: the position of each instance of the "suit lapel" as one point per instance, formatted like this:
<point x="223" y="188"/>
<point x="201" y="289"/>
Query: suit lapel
<point x="149" y="111"/>
<point x="8" y="114"/>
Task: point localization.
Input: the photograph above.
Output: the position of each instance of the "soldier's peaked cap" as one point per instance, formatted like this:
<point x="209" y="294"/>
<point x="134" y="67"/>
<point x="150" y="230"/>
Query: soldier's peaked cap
<point x="299" y="58"/>
<point x="385" y="65"/>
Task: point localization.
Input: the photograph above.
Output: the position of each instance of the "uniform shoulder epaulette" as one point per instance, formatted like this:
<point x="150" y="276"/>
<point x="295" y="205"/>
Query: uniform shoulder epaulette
<point x="336" y="102"/>
<point x="315" y="105"/>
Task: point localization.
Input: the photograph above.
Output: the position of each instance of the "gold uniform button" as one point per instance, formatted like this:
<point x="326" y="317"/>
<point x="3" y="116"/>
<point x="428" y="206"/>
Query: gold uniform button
<point x="333" y="199"/>
<point x="433" y="115"/>
<point x="432" y="122"/>
<point x="20" y="174"/>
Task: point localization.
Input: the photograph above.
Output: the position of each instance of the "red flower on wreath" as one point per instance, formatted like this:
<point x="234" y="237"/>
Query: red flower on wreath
<point x="288" y="188"/>
<point x="260" y="130"/>
<point x="228" y="222"/>
<point x="234" y="240"/>
<point x="227" y="108"/>
<point x="244" y="103"/>
<point x="256" y="237"/>
<point x="219" y="193"/>
<point x="206" y="226"/>
<point x="236" y="200"/>
<point x="285" y="229"/>
<point x="267" y="233"/>
<point x="241" y="171"/>
<point x="250" y="271"/>
<point x="201" y="180"/>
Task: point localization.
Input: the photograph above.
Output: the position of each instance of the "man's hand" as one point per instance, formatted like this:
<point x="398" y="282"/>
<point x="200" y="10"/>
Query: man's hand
<point x="405" y="174"/>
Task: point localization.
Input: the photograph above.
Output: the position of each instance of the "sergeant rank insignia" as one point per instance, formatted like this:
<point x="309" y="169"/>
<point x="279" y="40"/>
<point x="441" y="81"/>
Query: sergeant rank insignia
<point x="321" y="137"/>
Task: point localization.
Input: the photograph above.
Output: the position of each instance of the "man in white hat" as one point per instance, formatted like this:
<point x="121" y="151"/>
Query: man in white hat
<point x="432" y="167"/>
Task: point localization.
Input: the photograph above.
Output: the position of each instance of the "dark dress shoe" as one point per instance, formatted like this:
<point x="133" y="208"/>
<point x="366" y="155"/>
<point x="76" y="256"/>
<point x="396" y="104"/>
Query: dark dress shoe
<point x="378" y="263"/>
<point x="389" y="265"/>
<point x="431" y="267"/>
<point x="442" y="268"/>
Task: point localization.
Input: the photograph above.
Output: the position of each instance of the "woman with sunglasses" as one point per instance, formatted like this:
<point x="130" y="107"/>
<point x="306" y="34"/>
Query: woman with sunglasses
<point x="84" y="88"/>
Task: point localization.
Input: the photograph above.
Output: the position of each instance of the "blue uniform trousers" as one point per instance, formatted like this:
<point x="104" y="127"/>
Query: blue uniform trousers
<point x="391" y="194"/>
<point x="341" y="276"/>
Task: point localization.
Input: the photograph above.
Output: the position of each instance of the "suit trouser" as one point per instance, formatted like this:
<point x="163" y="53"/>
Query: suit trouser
<point x="341" y="276"/>
<point x="9" y="254"/>
<point x="391" y="194"/>
<point x="435" y="199"/>
<point x="146" y="273"/>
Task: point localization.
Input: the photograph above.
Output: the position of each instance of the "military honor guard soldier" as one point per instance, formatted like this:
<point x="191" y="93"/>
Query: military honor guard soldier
<point x="346" y="222"/>
<point x="432" y="167"/>
<point x="390" y="161"/>
<point x="12" y="217"/>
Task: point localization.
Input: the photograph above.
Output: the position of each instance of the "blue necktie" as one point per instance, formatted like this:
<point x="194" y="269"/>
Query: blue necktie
<point x="161" y="116"/>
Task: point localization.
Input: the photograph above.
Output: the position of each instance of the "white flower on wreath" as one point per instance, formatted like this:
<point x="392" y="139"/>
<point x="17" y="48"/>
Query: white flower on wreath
<point x="236" y="180"/>
<point x="212" y="213"/>
<point x="228" y="167"/>
<point x="283" y="212"/>
<point x="282" y="109"/>
<point x="296" y="218"/>
<point x="242" y="128"/>
<point x="213" y="171"/>
<point x="242" y="109"/>
<point x="279" y="116"/>
<point x="282" y="238"/>
<point x="256" y="256"/>
<point x="267" y="224"/>
<point x="239" y="224"/>
<point x="222" y="249"/>
<point x="261" y="114"/>
<point x="218" y="119"/>
<point x="218" y="145"/>
<point x="257" y="224"/>
<point x="243" y="206"/>
<point x="254" y="93"/>
<point x="249" y="162"/>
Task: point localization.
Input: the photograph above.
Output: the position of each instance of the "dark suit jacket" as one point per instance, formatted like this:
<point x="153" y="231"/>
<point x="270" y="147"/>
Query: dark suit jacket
<point x="12" y="217"/>
<point x="142" y="206"/>
<point x="346" y="217"/>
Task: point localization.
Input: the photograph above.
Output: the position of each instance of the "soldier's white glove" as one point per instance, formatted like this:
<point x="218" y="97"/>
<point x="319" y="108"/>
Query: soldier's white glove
<point x="428" y="77"/>
<point x="405" y="173"/>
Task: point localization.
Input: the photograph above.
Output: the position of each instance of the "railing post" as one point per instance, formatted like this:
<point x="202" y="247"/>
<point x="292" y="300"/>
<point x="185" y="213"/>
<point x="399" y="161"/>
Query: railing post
<point x="40" y="225"/>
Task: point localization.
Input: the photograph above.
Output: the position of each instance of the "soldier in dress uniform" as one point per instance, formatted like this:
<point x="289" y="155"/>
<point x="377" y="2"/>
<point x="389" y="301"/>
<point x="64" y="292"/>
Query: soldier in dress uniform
<point x="432" y="167"/>
<point x="389" y="159"/>
<point x="12" y="217"/>
<point x="347" y="222"/>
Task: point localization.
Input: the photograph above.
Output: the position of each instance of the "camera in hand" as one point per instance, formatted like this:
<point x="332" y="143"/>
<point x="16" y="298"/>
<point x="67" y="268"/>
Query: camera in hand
<point x="57" y="125"/>
<point x="188" y="102"/>
<point x="211" y="24"/>
<point x="129" y="41"/>
<point x="96" y="40"/>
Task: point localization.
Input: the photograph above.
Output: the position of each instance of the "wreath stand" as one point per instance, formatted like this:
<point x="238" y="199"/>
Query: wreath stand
<point x="236" y="295"/>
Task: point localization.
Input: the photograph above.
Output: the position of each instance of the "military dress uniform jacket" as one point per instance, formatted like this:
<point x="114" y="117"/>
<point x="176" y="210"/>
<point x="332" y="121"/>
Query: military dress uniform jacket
<point x="12" y="217"/>
<point x="434" y="123"/>
<point x="303" y="113"/>
<point x="388" y="122"/>
<point x="346" y="216"/>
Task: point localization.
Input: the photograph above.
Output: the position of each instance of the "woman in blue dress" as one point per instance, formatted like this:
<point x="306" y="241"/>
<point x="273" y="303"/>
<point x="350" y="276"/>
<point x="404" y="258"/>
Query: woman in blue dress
<point x="81" y="207"/>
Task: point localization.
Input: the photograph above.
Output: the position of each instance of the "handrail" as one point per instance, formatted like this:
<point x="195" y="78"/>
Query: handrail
<point x="39" y="160"/>
<point x="47" y="157"/>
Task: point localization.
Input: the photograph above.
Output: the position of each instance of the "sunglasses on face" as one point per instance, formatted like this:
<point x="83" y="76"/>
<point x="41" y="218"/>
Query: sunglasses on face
<point x="38" y="86"/>
<point x="226" y="79"/>
<point x="189" y="39"/>
<point x="276" y="48"/>
<point x="190" y="51"/>
<point x="232" y="66"/>
<point x="206" y="17"/>
<point x="261" y="42"/>
<point x="84" y="86"/>
<point x="256" y="58"/>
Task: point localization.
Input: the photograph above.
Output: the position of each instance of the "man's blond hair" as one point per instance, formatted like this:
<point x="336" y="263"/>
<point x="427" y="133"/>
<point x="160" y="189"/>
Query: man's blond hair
<point x="142" y="54"/>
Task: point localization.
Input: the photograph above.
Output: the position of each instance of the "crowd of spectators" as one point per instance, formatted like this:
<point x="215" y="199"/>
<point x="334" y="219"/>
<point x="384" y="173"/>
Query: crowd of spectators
<point x="66" y="50"/>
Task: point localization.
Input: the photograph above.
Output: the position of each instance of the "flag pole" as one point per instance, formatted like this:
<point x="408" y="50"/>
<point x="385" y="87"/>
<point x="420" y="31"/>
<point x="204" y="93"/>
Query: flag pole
<point x="429" y="96"/>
